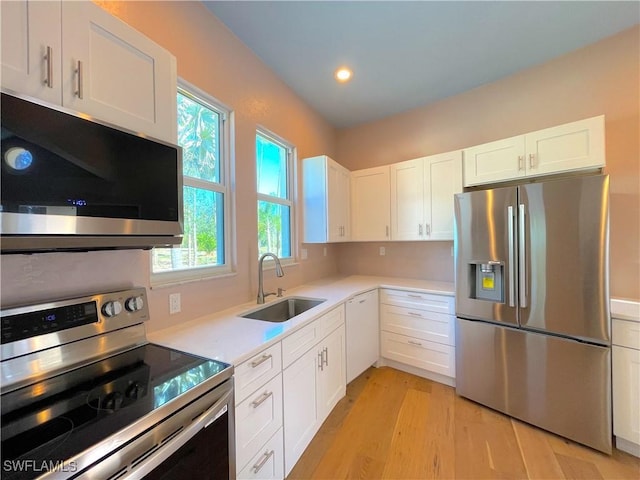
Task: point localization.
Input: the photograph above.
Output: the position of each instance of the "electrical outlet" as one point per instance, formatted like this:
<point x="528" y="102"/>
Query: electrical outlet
<point x="303" y="254"/>
<point x="174" y="303"/>
<point x="382" y="251"/>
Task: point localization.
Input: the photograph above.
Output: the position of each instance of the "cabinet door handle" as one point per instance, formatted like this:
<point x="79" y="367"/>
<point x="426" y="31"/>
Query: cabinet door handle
<point x="413" y="295"/>
<point x="428" y="229"/>
<point x="325" y="351"/>
<point x="414" y="314"/>
<point x="320" y="361"/>
<point x="520" y="162"/>
<point x="261" y="360"/>
<point x="532" y="157"/>
<point x="261" y="399"/>
<point x="78" y="72"/>
<point x="413" y="342"/>
<point x="386" y="231"/>
<point x="265" y="457"/>
<point x="420" y="229"/>
<point x="48" y="58"/>
<point x="363" y="300"/>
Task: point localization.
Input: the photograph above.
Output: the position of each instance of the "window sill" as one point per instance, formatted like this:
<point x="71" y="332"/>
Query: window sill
<point x="158" y="284"/>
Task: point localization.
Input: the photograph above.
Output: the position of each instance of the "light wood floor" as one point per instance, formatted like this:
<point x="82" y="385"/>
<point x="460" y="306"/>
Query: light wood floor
<point x="394" y="425"/>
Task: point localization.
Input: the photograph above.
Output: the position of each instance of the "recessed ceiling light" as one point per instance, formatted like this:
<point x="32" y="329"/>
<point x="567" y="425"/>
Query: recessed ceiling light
<point x="343" y="74"/>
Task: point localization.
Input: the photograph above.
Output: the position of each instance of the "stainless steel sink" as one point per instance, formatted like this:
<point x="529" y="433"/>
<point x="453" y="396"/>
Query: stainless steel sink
<point x="284" y="309"/>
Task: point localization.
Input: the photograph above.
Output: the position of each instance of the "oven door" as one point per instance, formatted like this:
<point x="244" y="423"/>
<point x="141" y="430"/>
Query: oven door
<point x="197" y="441"/>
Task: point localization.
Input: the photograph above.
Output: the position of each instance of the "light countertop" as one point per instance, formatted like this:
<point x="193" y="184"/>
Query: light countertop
<point x="227" y="337"/>
<point x="625" y="309"/>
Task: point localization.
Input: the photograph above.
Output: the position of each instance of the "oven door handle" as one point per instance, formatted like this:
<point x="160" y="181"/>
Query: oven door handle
<point x="169" y="448"/>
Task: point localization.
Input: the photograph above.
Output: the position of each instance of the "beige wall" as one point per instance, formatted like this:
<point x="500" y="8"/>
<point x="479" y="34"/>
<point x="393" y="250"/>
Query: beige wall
<point x="601" y="78"/>
<point x="214" y="60"/>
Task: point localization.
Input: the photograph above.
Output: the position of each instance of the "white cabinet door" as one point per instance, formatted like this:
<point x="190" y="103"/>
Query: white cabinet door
<point x="407" y="200"/>
<point x="112" y="72"/>
<point x="370" y="204"/>
<point x="326" y="200"/>
<point x="494" y="161"/>
<point x="572" y="146"/>
<point x="626" y="393"/>
<point x="300" y="391"/>
<point x="363" y="333"/>
<point x="442" y="180"/>
<point x="332" y="374"/>
<point x="31" y="31"/>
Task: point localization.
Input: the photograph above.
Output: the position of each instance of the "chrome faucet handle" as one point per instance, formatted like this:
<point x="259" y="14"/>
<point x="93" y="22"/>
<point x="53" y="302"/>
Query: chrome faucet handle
<point x="280" y="290"/>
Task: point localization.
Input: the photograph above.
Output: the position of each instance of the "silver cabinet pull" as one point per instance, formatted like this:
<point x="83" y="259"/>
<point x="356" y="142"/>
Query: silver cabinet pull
<point x="386" y="231"/>
<point x="512" y="257"/>
<point x="414" y="314"/>
<point x="413" y="295"/>
<point x="428" y="229"/>
<point x="261" y="399"/>
<point x="325" y="352"/>
<point x="420" y="229"/>
<point x="265" y="457"/>
<point x="78" y="72"/>
<point x="520" y="162"/>
<point x="532" y="157"/>
<point x="362" y="301"/>
<point x="261" y="360"/>
<point x="321" y="361"/>
<point x="522" y="261"/>
<point x="413" y="342"/>
<point x="48" y="58"/>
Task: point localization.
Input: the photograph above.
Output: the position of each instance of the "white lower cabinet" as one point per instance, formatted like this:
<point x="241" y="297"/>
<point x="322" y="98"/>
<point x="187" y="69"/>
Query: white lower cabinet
<point x="626" y="385"/>
<point x="268" y="463"/>
<point x="313" y="384"/>
<point x="258" y="415"/>
<point x="417" y="330"/>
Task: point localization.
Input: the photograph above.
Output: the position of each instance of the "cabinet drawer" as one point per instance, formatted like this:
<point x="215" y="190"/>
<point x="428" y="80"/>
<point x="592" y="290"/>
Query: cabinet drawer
<point x="268" y="463"/>
<point x="256" y="371"/>
<point x="296" y="344"/>
<point x="430" y="356"/>
<point x="625" y="333"/>
<point x="423" y="301"/>
<point x="257" y="419"/>
<point x="626" y="393"/>
<point x="332" y="320"/>
<point x="422" y="324"/>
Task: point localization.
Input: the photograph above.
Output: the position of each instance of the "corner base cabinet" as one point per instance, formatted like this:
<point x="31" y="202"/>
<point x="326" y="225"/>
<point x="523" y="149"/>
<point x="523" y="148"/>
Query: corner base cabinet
<point x="417" y="330"/>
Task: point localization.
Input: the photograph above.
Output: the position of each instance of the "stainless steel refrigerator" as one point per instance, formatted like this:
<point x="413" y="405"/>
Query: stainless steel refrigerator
<point x="533" y="332"/>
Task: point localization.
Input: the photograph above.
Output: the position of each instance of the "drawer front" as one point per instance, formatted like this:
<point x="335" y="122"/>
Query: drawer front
<point x="423" y="301"/>
<point x="625" y="333"/>
<point x="296" y="344"/>
<point x="268" y="463"/>
<point x="430" y="356"/>
<point x="626" y="393"/>
<point x="422" y="324"/>
<point x="257" y="419"/>
<point x="332" y="320"/>
<point x="256" y="371"/>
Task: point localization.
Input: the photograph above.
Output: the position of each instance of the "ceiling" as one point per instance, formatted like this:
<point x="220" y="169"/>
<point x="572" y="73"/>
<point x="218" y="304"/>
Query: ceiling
<point x="408" y="54"/>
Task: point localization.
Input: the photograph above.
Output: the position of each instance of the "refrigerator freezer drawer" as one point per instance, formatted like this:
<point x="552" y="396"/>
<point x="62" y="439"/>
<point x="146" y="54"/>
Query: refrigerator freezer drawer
<point x="558" y="384"/>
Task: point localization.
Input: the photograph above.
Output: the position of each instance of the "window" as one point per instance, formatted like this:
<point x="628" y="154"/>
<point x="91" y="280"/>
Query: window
<point x="203" y="136"/>
<point x="274" y="160"/>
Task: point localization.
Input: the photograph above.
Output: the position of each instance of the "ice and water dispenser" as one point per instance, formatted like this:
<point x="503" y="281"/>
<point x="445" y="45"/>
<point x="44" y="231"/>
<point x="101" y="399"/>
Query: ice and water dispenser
<point x="487" y="281"/>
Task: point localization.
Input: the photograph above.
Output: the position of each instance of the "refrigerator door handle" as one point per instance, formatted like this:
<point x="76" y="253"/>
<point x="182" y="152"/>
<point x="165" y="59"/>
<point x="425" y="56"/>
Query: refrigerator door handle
<point x="522" y="284"/>
<point x="512" y="257"/>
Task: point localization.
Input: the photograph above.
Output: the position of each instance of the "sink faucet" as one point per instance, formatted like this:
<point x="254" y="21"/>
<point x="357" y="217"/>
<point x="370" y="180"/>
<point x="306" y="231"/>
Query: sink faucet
<point x="279" y="273"/>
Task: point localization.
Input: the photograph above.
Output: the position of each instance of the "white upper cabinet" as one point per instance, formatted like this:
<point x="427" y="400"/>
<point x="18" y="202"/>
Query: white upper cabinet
<point x="422" y="193"/>
<point x="77" y="55"/>
<point x="370" y="204"/>
<point x="569" y="147"/>
<point x="32" y="49"/>
<point x="326" y="187"/>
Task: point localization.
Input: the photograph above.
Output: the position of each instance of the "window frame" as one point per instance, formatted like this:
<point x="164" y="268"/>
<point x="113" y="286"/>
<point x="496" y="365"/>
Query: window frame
<point x="223" y="187"/>
<point x="290" y="201"/>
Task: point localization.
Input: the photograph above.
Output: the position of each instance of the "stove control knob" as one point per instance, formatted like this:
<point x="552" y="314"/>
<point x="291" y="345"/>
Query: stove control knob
<point x="134" y="304"/>
<point x="135" y="390"/>
<point x="113" y="401"/>
<point x="111" y="309"/>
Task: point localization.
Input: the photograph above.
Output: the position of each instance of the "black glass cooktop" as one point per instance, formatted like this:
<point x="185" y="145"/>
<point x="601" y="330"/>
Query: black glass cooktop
<point x="57" y="418"/>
